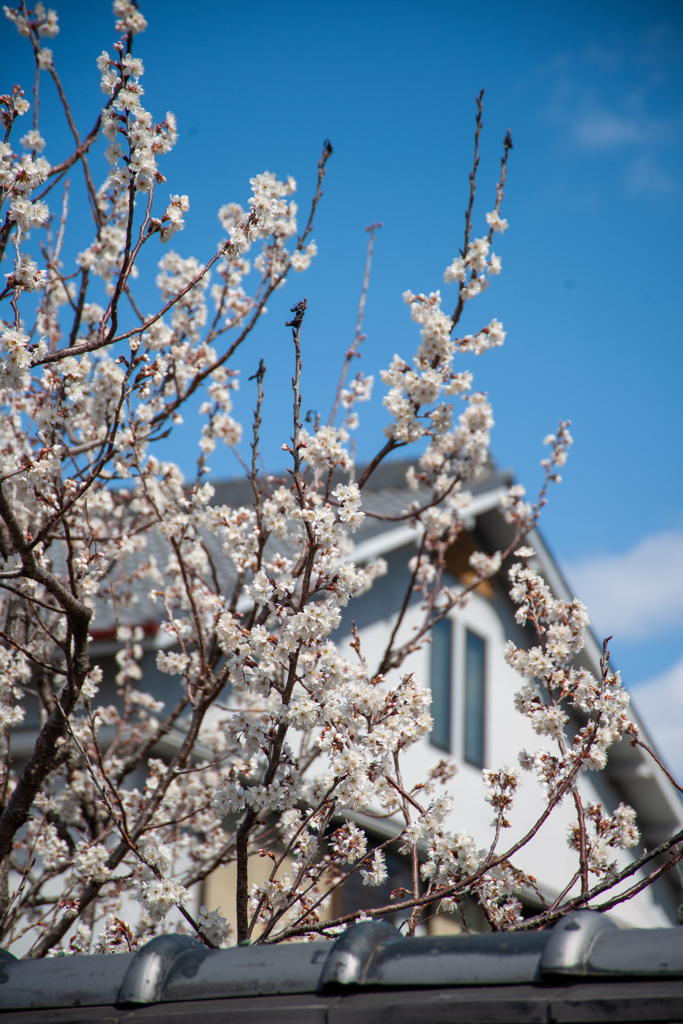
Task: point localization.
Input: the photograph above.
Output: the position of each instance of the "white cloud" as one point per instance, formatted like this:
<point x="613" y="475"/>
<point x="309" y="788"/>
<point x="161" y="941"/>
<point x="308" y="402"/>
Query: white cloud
<point x="646" y="177"/>
<point x="659" y="704"/>
<point x="603" y="129"/>
<point x="599" y="128"/>
<point x="621" y="99"/>
<point x="637" y="594"/>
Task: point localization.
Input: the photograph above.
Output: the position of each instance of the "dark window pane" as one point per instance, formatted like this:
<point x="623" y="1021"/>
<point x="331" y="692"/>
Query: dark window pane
<point x="475" y="653"/>
<point x="441" y="661"/>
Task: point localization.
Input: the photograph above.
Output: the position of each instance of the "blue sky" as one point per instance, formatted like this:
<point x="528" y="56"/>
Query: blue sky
<point x="589" y="293"/>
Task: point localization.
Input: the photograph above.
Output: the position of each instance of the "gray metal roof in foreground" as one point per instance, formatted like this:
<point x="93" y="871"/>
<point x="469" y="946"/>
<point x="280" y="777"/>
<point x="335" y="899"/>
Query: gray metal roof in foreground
<point x="583" y="969"/>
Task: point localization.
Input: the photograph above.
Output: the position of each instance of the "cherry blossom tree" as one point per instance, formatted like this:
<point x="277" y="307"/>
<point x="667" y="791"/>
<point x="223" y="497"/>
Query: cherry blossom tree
<point x="278" y="734"/>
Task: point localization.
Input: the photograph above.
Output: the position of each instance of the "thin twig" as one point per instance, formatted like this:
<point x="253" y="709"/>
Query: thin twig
<point x="358" y="336"/>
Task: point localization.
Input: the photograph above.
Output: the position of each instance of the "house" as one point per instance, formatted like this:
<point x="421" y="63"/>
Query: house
<point x="475" y="722"/>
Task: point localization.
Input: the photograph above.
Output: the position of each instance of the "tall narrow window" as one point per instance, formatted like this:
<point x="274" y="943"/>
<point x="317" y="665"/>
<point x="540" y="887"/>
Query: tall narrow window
<point x="475" y="657"/>
<point x="441" y="661"/>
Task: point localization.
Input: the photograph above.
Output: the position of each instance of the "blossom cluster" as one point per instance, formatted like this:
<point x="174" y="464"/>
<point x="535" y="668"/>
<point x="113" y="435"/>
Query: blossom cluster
<point x="607" y="833"/>
<point x="553" y="685"/>
<point x="471" y="269"/>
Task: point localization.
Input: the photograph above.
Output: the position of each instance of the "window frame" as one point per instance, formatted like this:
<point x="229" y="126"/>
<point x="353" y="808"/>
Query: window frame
<point x="468" y="630"/>
<point x="451" y="625"/>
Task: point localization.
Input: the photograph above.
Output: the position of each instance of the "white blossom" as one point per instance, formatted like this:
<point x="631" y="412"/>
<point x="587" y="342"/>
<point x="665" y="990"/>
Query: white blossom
<point x="214" y="926"/>
<point x="376" y="874"/>
<point x="159" y="896"/>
